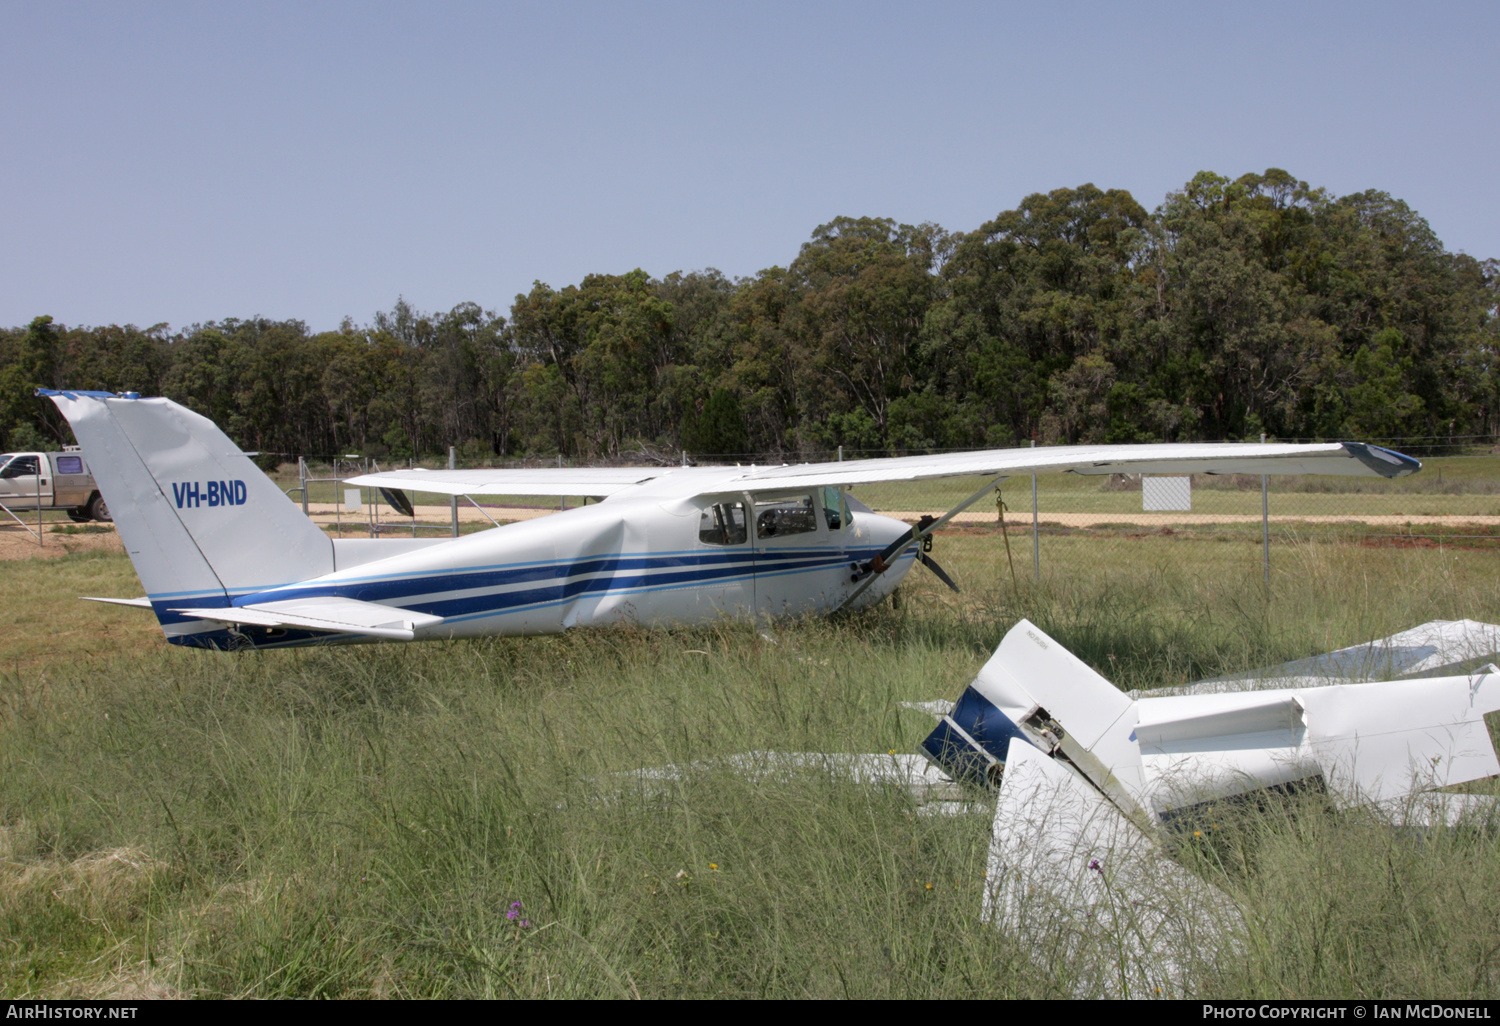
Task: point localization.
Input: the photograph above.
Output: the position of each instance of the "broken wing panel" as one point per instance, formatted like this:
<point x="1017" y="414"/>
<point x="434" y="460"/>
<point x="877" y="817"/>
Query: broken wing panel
<point x="1033" y="687"/>
<point x="1078" y="883"/>
<point x="1029" y="663"/>
<point x="1439" y="647"/>
<point x="1383" y="741"/>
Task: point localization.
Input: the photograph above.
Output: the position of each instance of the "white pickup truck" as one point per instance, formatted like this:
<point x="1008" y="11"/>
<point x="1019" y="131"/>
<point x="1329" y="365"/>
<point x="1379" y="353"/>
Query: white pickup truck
<point x="50" y="480"/>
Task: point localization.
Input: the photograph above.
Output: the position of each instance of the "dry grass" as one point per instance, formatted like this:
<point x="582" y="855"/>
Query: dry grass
<point x="358" y="821"/>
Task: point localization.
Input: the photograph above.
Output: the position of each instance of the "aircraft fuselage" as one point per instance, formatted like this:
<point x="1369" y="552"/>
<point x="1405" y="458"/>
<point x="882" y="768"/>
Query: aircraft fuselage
<point x="641" y="560"/>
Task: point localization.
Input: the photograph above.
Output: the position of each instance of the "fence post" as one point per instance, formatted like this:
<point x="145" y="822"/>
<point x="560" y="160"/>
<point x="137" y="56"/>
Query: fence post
<point x="453" y="499"/>
<point x="302" y="481"/>
<point x="1036" y="538"/>
<point x="562" y="500"/>
<point x="1265" y="527"/>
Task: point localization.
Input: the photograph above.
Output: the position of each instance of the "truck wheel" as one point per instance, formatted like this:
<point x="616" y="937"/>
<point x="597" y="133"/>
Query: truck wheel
<point x="98" y="510"/>
<point x="78" y="516"/>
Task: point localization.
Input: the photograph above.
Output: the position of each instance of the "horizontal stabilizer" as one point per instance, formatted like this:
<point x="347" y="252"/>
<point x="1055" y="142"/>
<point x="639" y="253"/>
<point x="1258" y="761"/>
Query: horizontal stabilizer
<point x="140" y="603"/>
<point x="332" y="614"/>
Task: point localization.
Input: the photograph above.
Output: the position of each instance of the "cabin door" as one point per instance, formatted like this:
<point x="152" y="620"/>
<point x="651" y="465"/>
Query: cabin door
<point x="18" y="482"/>
<point x="722" y="567"/>
<point x="801" y="565"/>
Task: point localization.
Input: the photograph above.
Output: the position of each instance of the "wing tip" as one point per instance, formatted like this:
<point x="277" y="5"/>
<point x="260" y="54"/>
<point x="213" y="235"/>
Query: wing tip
<point x="1385" y="462"/>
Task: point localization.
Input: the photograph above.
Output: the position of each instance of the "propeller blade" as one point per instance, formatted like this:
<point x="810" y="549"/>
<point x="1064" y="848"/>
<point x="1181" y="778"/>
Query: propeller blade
<point x="942" y="574"/>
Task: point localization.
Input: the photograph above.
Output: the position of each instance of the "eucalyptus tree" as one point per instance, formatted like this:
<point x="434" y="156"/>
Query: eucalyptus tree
<point x="864" y="286"/>
<point x="1036" y="303"/>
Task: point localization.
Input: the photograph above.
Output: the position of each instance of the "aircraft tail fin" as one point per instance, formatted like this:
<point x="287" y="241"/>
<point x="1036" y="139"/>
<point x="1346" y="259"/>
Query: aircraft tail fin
<point x="202" y="524"/>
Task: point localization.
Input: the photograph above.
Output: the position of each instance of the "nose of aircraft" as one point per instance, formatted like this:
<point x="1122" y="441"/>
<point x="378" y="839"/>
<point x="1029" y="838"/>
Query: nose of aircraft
<point x="880" y="532"/>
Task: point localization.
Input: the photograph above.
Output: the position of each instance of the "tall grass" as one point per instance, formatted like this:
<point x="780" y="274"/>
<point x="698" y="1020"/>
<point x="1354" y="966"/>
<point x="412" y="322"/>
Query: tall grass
<point x="360" y="821"/>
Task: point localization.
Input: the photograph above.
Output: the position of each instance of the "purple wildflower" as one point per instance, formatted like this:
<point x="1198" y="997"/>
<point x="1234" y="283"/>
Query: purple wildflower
<point x="1095" y="865"/>
<point x="525" y="923"/>
<point x="515" y="905"/>
<point x="512" y="914"/>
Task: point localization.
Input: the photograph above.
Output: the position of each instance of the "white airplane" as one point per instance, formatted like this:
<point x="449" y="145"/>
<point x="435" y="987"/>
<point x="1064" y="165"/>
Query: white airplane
<point x="228" y="562"/>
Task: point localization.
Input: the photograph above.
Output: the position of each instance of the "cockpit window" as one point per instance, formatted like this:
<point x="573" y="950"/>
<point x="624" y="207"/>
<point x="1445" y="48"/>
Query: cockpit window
<point x="789" y="515"/>
<point x="723" y="524"/>
<point x="835" y="509"/>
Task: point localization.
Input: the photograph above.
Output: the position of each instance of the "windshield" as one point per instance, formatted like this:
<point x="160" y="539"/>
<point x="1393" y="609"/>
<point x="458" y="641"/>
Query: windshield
<point x="19" y="466"/>
<point x="791" y="514"/>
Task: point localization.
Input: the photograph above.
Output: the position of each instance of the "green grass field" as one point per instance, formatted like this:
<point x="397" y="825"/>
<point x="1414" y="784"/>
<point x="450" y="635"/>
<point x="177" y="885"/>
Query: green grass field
<point x="359" y="821"/>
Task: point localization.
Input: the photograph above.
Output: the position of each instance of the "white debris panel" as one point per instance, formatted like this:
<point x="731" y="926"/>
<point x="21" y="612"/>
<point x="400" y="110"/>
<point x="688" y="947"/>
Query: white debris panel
<point x="1088" y="777"/>
<point x="1436" y="648"/>
<point x="1080" y="884"/>
<point x="1377" y="741"/>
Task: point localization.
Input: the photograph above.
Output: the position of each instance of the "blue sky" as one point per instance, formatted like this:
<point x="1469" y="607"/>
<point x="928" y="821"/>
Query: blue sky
<point x="175" y="163"/>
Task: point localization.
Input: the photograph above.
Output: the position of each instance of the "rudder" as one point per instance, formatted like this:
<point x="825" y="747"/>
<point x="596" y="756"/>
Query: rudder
<point x="198" y="518"/>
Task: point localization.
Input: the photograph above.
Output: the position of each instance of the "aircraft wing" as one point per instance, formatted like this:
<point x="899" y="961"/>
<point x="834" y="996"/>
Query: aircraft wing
<point x="1178" y="458"/>
<point x="332" y="614"/>
<point x="1347" y="458"/>
<point x="544" y="481"/>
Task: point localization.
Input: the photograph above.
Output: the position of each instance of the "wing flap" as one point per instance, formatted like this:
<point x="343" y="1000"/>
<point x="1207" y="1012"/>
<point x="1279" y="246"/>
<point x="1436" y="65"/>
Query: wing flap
<point x="546" y="481"/>
<point x="332" y="614"/>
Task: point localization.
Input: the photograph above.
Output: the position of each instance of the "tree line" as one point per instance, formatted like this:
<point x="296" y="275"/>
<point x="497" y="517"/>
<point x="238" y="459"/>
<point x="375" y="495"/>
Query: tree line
<point x="1236" y="307"/>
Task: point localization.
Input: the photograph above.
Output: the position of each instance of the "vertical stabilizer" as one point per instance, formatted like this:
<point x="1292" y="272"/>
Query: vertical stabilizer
<point x="196" y="515"/>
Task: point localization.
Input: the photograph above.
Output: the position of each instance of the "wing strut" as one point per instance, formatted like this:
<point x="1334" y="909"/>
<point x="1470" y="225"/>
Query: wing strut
<point x="481" y="510"/>
<point x="866" y="573"/>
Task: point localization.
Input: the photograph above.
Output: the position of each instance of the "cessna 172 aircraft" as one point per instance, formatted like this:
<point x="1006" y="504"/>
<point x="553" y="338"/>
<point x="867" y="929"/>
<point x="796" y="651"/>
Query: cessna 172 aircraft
<point x="228" y="562"/>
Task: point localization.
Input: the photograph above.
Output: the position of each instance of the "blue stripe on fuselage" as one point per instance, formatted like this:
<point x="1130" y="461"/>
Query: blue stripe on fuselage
<point x="572" y="579"/>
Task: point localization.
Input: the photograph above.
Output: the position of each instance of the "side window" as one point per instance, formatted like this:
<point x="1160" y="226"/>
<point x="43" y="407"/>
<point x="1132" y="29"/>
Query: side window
<point x="723" y="524"/>
<point x="20" y="466"/>
<point x="790" y="515"/>
<point x="835" y="509"/>
<point x="70" y="464"/>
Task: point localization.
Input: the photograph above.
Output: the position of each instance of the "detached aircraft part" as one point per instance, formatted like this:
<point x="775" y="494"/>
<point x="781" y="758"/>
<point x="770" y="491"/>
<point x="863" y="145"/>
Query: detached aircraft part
<point x="1432" y="649"/>
<point x="1091" y="780"/>
<point x="1155" y="758"/>
<point x="227" y="560"/>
